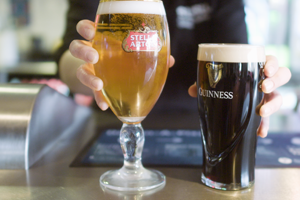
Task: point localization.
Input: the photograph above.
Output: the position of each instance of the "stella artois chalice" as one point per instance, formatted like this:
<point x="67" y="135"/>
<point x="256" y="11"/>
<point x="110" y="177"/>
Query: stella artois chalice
<point x="132" y="40"/>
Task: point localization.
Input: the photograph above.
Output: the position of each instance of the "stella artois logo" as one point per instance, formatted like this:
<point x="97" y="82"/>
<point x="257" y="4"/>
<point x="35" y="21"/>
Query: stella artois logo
<point x="143" y="39"/>
<point x="214" y="74"/>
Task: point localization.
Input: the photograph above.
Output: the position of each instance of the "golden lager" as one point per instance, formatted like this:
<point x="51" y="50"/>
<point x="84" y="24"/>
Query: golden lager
<point x="132" y="40"/>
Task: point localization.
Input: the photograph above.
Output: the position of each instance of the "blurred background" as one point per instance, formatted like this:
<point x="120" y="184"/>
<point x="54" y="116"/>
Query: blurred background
<point x="275" y="24"/>
<point x="31" y="31"/>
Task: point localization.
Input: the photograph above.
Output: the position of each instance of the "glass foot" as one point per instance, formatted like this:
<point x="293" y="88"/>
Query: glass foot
<point x="125" y="179"/>
<point x="132" y="176"/>
<point x="225" y="186"/>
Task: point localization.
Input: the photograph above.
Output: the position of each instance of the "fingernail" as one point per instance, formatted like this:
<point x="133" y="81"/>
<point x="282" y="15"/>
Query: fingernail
<point x="271" y="71"/>
<point x="266" y="111"/>
<point x="268" y="85"/>
<point x="103" y="106"/>
<point x="89" y="33"/>
<point x="263" y="132"/>
<point x="97" y="84"/>
<point x="92" y="57"/>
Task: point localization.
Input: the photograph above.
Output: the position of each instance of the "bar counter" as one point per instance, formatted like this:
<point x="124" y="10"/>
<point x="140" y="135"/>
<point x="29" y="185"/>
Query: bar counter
<point x="51" y="177"/>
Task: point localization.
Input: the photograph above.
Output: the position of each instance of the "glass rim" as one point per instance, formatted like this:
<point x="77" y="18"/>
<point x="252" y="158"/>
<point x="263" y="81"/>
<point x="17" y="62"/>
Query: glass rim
<point x="155" y="7"/>
<point x="102" y="1"/>
<point x="231" y="52"/>
<point x="220" y="45"/>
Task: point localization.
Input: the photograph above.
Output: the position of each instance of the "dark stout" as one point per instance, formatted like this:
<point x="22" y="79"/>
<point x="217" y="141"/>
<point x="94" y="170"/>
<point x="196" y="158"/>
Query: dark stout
<point x="228" y="94"/>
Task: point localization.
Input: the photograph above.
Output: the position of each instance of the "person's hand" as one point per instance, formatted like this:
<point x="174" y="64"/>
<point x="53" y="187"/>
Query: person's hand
<point x="83" y="50"/>
<point x="275" y="77"/>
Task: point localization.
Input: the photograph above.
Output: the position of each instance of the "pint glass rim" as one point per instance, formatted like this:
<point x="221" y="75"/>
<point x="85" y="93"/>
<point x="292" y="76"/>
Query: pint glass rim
<point x="231" y="52"/>
<point x="102" y="1"/>
<point x="229" y="45"/>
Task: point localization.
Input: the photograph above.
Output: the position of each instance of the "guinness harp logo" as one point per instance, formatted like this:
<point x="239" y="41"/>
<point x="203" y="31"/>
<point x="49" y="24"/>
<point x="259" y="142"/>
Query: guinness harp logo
<point x="214" y="73"/>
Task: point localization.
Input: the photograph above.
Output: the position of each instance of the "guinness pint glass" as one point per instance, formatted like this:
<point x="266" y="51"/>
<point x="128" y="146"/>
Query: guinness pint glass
<point x="228" y="94"/>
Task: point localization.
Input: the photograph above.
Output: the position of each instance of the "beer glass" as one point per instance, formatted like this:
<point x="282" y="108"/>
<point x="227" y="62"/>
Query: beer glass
<point x="132" y="39"/>
<point x="228" y="95"/>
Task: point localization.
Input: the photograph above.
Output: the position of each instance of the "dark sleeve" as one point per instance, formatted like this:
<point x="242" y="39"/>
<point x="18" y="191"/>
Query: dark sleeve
<point x="77" y="11"/>
<point x="228" y="22"/>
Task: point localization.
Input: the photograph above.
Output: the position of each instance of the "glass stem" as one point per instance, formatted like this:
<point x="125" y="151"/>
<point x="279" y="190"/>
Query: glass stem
<point x="132" y="140"/>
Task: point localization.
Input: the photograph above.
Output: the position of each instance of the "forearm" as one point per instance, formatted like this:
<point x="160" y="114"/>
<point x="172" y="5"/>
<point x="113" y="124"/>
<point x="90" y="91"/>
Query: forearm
<point x="68" y="65"/>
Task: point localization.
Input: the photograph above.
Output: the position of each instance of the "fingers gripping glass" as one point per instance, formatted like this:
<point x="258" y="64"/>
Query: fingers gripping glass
<point x="132" y="40"/>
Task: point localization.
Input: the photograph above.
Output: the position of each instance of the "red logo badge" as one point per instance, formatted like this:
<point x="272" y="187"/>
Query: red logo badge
<point x="143" y="39"/>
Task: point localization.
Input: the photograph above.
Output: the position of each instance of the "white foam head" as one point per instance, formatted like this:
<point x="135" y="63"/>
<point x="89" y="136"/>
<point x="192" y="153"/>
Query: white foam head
<point x="119" y="7"/>
<point x="235" y="53"/>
